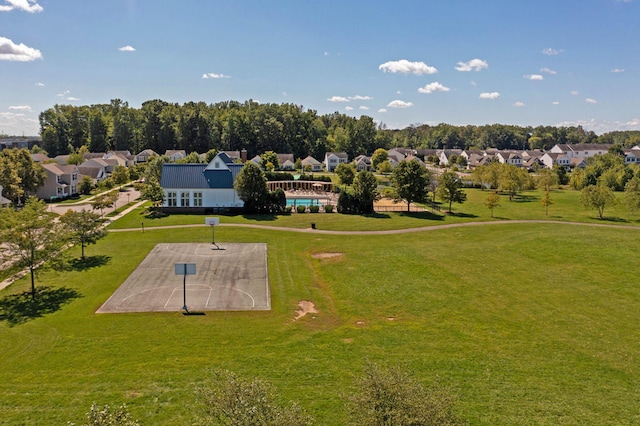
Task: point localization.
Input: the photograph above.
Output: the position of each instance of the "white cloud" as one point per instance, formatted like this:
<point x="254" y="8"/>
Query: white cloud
<point x="617" y="70"/>
<point x="575" y="93"/>
<point x="472" y="65"/>
<point x="406" y="67"/>
<point x="399" y="104"/>
<point x="489" y="95"/>
<point x="71" y="98"/>
<point x="127" y="48"/>
<point x="591" y="101"/>
<point x="433" y="87"/>
<point x="39" y="84"/>
<point x="214" y="75"/>
<point x="63" y="94"/>
<point x="9" y="51"/>
<point x="30" y="6"/>
<point x="551" y="51"/>
<point x="603" y="126"/>
<point x="348" y="108"/>
<point x="382" y="110"/>
<point x="364" y="108"/>
<point x="21" y="107"/>
<point x="534" y="77"/>
<point x="548" y="71"/>
<point x="555" y="103"/>
<point x="338" y="99"/>
<point x="473" y="83"/>
<point x="360" y="98"/>
<point x="518" y="104"/>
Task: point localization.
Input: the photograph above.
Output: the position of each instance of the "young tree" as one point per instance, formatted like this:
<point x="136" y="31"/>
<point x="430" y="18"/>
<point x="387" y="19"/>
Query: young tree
<point x="84" y="227"/>
<point x="411" y="182"/>
<point x="105" y="200"/>
<point x="120" y="175"/>
<point x="546" y="179"/>
<point x="632" y="194"/>
<point x="385" y="167"/>
<point x="379" y="156"/>
<point x="271" y="158"/>
<point x="546" y="202"/>
<point x="153" y="192"/>
<point x="365" y="190"/>
<point x="86" y="185"/>
<point x="450" y="188"/>
<point x="513" y="180"/>
<point x="598" y="197"/>
<point x="31" y="235"/>
<point x="251" y="185"/>
<point x="493" y="201"/>
<point x="346" y="173"/>
<point x="394" y="397"/>
<point x="232" y="400"/>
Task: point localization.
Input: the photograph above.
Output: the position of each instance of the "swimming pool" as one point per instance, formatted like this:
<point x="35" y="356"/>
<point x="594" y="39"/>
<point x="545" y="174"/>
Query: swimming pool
<point x="293" y="202"/>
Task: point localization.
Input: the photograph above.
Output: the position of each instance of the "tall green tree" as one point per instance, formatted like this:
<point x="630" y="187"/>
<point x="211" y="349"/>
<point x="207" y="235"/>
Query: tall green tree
<point x="31" y="235"/>
<point x="20" y="175"/>
<point x="346" y="173"/>
<point x="632" y="194"/>
<point x="598" y="197"/>
<point x="83" y="227"/>
<point x="365" y="190"/>
<point x="379" y="155"/>
<point x="411" y="182"/>
<point x="251" y="185"/>
<point x="450" y="189"/>
<point x="513" y="180"/>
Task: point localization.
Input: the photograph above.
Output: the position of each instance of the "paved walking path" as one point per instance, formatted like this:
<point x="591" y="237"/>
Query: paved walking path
<point x="387" y="231"/>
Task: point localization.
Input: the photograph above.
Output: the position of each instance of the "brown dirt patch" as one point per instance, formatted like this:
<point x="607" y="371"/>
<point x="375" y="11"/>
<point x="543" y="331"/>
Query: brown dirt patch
<point x="326" y="255"/>
<point x="305" y="307"/>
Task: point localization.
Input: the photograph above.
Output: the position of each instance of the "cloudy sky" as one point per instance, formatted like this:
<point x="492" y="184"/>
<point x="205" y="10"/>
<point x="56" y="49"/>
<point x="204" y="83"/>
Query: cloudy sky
<point x="549" y="62"/>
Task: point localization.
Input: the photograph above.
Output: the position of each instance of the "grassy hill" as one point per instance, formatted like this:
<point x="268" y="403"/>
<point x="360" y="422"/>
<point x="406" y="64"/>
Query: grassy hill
<point x="527" y="323"/>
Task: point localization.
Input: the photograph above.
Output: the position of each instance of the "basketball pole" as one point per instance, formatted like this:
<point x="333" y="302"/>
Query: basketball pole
<point x="213" y="239"/>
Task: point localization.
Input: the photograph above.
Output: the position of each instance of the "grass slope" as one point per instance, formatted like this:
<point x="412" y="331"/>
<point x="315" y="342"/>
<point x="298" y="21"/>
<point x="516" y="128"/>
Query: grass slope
<point x="530" y="324"/>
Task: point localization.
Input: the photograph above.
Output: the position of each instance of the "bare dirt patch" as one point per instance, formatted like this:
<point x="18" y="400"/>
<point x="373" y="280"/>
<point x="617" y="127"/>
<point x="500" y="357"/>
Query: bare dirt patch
<point x="326" y="255"/>
<point x="305" y="307"/>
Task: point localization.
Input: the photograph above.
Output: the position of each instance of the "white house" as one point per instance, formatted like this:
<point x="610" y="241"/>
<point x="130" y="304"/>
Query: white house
<point x="551" y="158"/>
<point x="332" y="159"/>
<point x="584" y="150"/>
<point x="312" y="164"/>
<point x="201" y="187"/>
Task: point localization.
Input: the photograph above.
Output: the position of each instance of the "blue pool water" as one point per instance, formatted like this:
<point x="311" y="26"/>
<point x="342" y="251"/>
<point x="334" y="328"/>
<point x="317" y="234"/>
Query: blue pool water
<point x="302" y="202"/>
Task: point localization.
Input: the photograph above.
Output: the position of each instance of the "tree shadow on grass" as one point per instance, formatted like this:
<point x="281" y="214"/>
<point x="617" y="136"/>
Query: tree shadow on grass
<point x="19" y="308"/>
<point x="79" y="264"/>
<point x="465" y="215"/>
<point x="260" y="217"/>
<point x="613" y="219"/>
<point x="426" y="215"/>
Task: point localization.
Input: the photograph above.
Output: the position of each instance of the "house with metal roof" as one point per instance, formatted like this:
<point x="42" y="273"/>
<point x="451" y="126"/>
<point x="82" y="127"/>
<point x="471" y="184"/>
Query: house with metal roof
<point x="201" y="187"/>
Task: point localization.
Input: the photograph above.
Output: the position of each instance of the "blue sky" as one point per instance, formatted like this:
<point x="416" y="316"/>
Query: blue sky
<point x="542" y="62"/>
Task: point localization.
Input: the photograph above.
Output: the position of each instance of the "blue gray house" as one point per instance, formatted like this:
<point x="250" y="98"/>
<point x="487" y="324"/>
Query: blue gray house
<point x="201" y="187"/>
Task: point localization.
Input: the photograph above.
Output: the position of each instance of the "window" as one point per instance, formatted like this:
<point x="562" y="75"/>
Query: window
<point x="184" y="199"/>
<point x="197" y="199"/>
<point x="171" y="199"/>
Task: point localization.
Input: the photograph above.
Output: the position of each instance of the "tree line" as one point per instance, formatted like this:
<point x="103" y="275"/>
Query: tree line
<point x="284" y="128"/>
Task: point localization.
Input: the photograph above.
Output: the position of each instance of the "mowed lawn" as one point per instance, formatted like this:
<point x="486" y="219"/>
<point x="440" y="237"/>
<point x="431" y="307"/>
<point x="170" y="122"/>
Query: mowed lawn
<point x="527" y="323"/>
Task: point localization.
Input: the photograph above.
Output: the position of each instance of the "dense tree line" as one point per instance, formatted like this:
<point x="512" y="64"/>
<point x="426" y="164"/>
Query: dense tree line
<point x="283" y="128"/>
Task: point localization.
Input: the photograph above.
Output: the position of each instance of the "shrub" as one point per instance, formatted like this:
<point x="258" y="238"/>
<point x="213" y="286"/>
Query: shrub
<point x="328" y="208"/>
<point x="301" y="209"/>
<point x="288" y="209"/>
<point x="314" y="209"/>
<point x="99" y="416"/>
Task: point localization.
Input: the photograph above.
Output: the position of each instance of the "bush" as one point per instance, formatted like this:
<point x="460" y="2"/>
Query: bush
<point x="288" y="209"/>
<point x="314" y="209"/>
<point x="328" y="208"/>
<point x="301" y="209"/>
<point x="98" y="416"/>
<point x="243" y="402"/>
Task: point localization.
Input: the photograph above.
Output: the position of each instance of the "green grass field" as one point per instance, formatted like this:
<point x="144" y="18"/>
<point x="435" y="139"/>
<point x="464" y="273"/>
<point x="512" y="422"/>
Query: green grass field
<point x="527" y="323"/>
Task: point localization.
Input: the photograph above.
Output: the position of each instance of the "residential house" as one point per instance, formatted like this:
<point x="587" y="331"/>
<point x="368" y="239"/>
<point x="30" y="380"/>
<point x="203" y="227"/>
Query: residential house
<point x="39" y="157"/>
<point x="311" y="164"/>
<point x="4" y="202"/>
<point x="584" y="150"/>
<point x="96" y="168"/>
<point x="509" y="157"/>
<point x="395" y="156"/>
<point x="362" y="162"/>
<point x="61" y="181"/>
<point x="332" y="159"/>
<point x="201" y="187"/>
<point x="445" y="155"/>
<point x="175" y="154"/>
<point x="286" y="161"/>
<point x="632" y="156"/>
<point x="144" y="156"/>
<point x="549" y="159"/>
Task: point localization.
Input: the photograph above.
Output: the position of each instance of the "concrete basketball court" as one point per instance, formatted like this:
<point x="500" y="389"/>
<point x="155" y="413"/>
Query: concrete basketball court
<point x="231" y="278"/>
